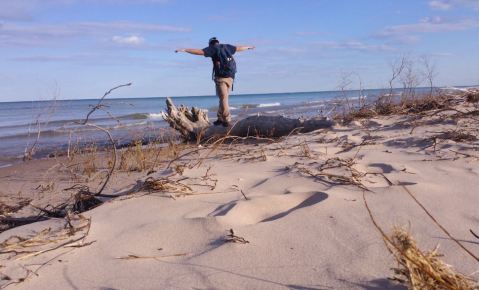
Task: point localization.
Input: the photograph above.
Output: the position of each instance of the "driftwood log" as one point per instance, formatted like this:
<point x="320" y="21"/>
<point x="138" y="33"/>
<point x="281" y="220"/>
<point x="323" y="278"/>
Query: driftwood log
<point x="194" y="125"/>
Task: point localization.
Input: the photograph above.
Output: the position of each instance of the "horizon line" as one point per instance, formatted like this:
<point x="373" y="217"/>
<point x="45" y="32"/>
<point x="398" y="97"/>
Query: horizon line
<point x="232" y="95"/>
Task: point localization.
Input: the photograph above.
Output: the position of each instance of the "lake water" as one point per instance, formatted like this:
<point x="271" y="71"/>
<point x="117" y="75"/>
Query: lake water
<point x="134" y="118"/>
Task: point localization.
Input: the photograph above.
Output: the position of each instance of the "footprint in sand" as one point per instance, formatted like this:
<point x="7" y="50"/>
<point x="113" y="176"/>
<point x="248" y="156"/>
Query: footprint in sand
<point x="265" y="208"/>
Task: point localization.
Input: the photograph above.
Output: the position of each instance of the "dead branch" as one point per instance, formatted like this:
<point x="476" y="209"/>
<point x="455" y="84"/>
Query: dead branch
<point x="99" y="104"/>
<point x="232" y="238"/>
<point x="396" y="70"/>
<point x="110" y="173"/>
<point x="29" y="152"/>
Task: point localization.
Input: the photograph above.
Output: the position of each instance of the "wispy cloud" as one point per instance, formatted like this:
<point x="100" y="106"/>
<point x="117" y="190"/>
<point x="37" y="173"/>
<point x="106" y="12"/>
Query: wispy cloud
<point x="111" y="2"/>
<point x="306" y="33"/>
<point x="131" y="1"/>
<point x="131" y="40"/>
<point x="442" y="54"/>
<point x="217" y="18"/>
<point x="15" y="10"/>
<point x="411" y="32"/>
<point x="125" y="25"/>
<point x="353" y="45"/>
<point x="105" y="60"/>
<point x="38" y="34"/>
<point x="449" y="4"/>
<point x="81" y="58"/>
<point x="23" y="10"/>
<point x="44" y="58"/>
<point x="440" y="5"/>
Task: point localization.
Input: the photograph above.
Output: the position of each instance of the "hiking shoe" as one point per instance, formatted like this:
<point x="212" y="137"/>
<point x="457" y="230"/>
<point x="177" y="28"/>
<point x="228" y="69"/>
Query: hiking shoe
<point x="225" y="124"/>
<point x="218" y="122"/>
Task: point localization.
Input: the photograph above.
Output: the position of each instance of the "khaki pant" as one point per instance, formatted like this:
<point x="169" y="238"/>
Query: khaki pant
<point x="223" y="86"/>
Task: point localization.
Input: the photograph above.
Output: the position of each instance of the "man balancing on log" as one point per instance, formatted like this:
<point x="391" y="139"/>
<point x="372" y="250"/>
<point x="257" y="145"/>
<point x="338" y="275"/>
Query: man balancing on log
<point x="224" y="70"/>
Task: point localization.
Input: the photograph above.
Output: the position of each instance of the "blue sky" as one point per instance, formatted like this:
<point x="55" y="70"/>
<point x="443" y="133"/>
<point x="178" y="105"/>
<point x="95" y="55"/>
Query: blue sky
<point x="79" y="48"/>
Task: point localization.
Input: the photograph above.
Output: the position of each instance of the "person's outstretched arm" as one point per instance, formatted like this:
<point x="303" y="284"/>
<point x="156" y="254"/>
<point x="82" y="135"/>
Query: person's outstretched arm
<point x="191" y="51"/>
<point x="244" y="47"/>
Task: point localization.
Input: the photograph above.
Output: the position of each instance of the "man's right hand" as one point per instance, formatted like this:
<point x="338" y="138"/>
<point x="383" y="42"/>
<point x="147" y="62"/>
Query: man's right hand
<point x="180" y="50"/>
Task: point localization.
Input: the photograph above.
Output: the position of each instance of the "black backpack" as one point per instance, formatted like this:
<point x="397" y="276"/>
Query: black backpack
<point x="224" y="64"/>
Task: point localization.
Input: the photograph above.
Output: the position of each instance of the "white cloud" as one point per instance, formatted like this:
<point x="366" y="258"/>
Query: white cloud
<point x="409" y="32"/>
<point x="132" y="40"/>
<point x="449" y="4"/>
<point x="441" y="5"/>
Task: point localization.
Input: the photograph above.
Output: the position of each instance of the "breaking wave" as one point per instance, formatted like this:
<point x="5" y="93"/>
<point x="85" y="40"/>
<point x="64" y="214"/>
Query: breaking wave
<point x="269" y="105"/>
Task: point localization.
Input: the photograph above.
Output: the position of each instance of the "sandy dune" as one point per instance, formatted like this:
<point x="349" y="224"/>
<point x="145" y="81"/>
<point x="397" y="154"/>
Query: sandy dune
<point x="305" y="230"/>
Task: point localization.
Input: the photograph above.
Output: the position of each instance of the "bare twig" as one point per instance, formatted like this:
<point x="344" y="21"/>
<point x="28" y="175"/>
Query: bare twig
<point x="232" y="238"/>
<point x="158" y="258"/>
<point x="474" y="234"/>
<point x="114" y="155"/>
<point x="439" y="225"/>
<point x="464" y="154"/>
<point x="99" y="104"/>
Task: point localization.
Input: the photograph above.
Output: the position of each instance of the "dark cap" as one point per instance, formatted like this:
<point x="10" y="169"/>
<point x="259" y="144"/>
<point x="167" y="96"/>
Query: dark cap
<point x="213" y="41"/>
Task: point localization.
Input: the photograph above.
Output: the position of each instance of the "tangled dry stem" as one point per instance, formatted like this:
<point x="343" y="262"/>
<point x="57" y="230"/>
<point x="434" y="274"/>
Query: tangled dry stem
<point x="418" y="269"/>
<point x="166" y="185"/>
<point x="424" y="270"/>
<point x="347" y="174"/>
<point x="25" y="247"/>
<point x="233" y="238"/>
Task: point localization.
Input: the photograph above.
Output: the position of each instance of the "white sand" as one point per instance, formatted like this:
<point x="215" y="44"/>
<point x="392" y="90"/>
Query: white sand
<point x="303" y="233"/>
